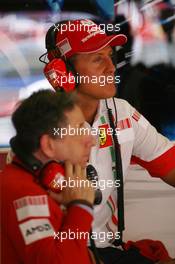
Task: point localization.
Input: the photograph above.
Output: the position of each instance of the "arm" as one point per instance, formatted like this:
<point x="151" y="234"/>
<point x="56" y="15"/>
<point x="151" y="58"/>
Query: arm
<point x="153" y="151"/>
<point x="41" y="233"/>
<point x="70" y="240"/>
<point x="61" y="248"/>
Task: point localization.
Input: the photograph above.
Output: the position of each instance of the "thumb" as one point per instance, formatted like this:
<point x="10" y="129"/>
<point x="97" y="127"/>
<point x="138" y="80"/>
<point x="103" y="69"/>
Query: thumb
<point x="58" y="197"/>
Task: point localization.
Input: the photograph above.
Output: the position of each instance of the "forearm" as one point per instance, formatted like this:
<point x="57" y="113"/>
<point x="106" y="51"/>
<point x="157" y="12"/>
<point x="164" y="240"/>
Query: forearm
<point x="67" y="244"/>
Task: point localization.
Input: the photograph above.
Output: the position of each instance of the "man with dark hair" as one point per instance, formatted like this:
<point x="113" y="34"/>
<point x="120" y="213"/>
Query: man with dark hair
<point x="82" y="45"/>
<point x="35" y="229"/>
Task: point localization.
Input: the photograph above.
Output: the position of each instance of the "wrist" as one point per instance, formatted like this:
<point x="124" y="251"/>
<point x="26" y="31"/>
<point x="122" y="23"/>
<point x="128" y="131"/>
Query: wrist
<point x="79" y="201"/>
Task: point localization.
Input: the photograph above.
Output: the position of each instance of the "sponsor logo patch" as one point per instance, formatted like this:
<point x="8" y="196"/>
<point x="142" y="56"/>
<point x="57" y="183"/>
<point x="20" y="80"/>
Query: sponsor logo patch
<point x="64" y="46"/>
<point x="36" y="229"/>
<point x="32" y="206"/>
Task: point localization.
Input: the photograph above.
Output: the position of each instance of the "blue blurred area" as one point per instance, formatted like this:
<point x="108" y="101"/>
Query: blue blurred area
<point x="168" y="130"/>
<point x="17" y="83"/>
<point x="105" y="9"/>
<point x="55" y="5"/>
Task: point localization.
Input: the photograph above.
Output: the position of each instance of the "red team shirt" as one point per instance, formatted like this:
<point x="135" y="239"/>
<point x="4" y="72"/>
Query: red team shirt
<point x="30" y="218"/>
<point x="139" y="141"/>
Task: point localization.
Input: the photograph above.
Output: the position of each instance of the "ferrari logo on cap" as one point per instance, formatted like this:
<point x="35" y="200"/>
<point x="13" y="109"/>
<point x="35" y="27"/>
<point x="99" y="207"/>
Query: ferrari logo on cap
<point x="87" y="22"/>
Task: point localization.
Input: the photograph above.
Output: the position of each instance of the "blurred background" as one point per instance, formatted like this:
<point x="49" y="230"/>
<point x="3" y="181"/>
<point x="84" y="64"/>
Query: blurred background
<point x="146" y="64"/>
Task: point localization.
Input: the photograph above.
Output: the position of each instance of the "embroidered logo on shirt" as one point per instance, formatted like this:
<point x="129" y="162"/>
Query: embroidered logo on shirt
<point x="105" y="138"/>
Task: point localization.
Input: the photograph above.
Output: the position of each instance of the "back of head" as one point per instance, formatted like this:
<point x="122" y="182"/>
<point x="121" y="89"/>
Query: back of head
<point x="37" y="115"/>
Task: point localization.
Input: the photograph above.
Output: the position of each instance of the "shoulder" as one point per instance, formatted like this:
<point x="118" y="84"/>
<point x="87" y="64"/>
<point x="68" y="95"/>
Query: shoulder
<point x="124" y="109"/>
<point x="17" y="183"/>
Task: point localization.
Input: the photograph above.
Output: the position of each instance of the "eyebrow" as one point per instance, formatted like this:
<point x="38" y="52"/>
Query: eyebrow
<point x="110" y="51"/>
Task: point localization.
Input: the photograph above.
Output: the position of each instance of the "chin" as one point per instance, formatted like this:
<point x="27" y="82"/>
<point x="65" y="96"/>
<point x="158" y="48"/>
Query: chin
<point x="110" y="90"/>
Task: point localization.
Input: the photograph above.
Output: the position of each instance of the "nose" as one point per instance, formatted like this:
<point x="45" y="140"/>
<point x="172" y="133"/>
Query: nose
<point x="90" y="141"/>
<point x="109" y="65"/>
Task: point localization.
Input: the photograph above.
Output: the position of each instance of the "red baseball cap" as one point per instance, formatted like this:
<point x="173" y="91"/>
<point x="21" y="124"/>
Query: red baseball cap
<point x="84" y="36"/>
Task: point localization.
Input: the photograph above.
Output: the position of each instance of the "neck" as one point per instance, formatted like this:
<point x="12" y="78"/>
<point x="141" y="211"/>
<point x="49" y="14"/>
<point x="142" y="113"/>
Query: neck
<point x="88" y="106"/>
<point x="40" y="156"/>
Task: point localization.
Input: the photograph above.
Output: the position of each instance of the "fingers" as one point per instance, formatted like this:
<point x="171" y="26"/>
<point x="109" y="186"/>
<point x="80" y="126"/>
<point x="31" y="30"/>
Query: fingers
<point x="77" y="171"/>
<point x="73" y="189"/>
<point x="74" y="171"/>
<point x="68" y="169"/>
<point x="83" y="172"/>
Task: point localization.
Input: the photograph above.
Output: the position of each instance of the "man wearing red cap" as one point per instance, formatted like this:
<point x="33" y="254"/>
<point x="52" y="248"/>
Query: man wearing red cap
<point x="88" y="51"/>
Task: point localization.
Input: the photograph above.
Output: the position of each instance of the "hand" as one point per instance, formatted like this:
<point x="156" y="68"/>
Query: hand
<point x="82" y="189"/>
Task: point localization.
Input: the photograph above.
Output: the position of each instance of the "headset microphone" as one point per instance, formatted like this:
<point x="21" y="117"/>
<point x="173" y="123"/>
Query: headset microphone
<point x="93" y="177"/>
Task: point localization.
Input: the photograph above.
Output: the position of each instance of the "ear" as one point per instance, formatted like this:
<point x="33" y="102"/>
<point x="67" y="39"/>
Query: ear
<point x="47" y="146"/>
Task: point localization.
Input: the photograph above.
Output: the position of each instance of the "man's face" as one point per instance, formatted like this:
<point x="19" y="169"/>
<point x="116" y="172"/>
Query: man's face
<point x="76" y="145"/>
<point x="99" y="71"/>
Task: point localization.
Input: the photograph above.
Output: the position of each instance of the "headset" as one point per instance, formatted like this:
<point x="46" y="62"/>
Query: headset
<point x="59" y="71"/>
<point x="50" y="175"/>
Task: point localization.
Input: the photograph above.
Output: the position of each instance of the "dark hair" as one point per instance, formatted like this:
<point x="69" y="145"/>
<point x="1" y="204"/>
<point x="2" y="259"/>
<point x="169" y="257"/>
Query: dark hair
<point x="37" y="115"/>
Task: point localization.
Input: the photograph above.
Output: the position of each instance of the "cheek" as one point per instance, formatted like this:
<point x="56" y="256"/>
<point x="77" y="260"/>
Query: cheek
<point x="89" y="69"/>
<point x="91" y="89"/>
<point x="75" y="146"/>
<point x="76" y="154"/>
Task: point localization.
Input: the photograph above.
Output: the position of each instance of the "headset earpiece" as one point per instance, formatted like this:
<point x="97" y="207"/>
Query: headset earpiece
<point x="58" y="76"/>
<point x="52" y="176"/>
<point x="59" y="72"/>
